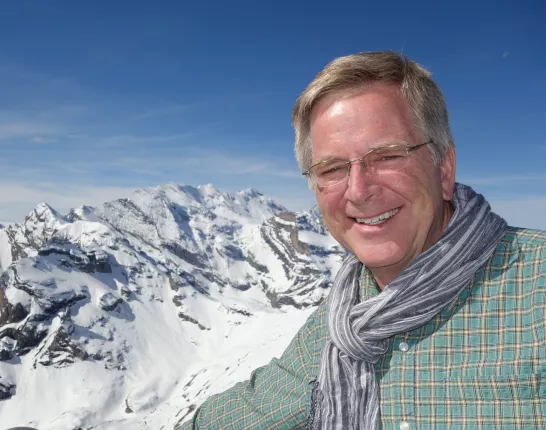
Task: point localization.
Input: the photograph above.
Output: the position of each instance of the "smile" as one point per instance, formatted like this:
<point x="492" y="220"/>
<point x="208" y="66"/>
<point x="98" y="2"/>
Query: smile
<point x="378" y="219"/>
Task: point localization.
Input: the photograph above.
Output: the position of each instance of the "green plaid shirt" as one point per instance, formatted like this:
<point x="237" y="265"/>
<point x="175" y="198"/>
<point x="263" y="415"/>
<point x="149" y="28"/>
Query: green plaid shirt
<point x="481" y="363"/>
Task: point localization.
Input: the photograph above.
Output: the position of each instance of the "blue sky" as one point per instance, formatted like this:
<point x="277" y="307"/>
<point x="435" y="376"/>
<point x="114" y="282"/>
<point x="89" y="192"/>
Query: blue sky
<point x="101" y="98"/>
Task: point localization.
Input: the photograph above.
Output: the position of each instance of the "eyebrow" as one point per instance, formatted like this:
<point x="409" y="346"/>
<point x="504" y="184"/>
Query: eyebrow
<point x="336" y="157"/>
<point x="327" y="158"/>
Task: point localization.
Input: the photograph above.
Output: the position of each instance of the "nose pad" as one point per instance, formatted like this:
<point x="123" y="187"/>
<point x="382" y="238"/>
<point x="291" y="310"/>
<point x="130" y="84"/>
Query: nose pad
<point x="358" y="174"/>
<point x="361" y="166"/>
<point x="360" y="162"/>
<point x="359" y="184"/>
<point x="364" y="165"/>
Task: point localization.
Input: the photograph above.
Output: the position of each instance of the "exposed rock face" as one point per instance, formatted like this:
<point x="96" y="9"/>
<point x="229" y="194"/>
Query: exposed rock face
<point x="10" y="313"/>
<point x="89" y="261"/>
<point x="28" y="237"/>
<point x="108" y="302"/>
<point x="61" y="349"/>
<point x="73" y="287"/>
<point x="6" y="391"/>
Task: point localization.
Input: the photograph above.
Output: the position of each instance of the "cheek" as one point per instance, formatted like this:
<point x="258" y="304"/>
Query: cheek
<point x="419" y="186"/>
<point x="332" y="211"/>
<point x="329" y="203"/>
<point x="425" y="203"/>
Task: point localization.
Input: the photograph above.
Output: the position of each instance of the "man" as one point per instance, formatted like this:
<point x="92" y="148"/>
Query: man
<point x="437" y="316"/>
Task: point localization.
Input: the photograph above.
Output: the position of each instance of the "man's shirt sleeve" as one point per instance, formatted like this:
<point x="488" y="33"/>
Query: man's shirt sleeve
<point x="277" y="396"/>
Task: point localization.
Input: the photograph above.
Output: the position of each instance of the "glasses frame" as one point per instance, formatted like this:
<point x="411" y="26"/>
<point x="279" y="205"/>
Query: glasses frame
<point x="349" y="163"/>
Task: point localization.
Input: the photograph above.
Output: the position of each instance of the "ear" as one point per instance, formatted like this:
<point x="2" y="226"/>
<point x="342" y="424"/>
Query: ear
<point x="447" y="172"/>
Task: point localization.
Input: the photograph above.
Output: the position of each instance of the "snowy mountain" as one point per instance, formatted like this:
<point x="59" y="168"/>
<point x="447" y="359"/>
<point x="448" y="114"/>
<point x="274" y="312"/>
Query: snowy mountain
<point x="130" y="314"/>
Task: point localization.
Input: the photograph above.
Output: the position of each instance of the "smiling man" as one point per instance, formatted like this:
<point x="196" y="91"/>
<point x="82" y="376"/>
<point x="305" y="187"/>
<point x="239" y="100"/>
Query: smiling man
<point x="391" y="204"/>
<point x="437" y="317"/>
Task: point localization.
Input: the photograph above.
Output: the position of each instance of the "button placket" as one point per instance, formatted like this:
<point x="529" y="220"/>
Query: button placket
<point x="407" y="363"/>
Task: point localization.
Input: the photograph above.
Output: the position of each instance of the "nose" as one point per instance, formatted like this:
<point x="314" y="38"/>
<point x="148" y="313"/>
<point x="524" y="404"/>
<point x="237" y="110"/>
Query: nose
<point x="361" y="185"/>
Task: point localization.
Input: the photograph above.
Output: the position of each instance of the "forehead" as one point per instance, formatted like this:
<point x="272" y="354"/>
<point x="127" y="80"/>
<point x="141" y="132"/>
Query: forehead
<point x="360" y="119"/>
<point x="372" y="90"/>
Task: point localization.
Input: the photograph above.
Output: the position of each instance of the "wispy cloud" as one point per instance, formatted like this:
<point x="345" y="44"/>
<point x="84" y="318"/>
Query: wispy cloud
<point x="233" y="100"/>
<point x="42" y="139"/>
<point x="220" y="162"/>
<point x="188" y="163"/>
<point x="503" y="180"/>
<point x="64" y="197"/>
<point x="296" y="200"/>
<point x="522" y="212"/>
<point x="505" y="54"/>
<point x="17" y="199"/>
<point x="100" y="175"/>
<point x="131" y="140"/>
<point x="29" y="130"/>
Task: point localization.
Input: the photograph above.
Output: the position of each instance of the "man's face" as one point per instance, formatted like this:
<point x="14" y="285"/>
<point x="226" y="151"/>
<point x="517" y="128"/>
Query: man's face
<point x="349" y="125"/>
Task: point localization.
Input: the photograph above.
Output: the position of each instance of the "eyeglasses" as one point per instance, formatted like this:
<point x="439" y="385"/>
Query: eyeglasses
<point x="388" y="158"/>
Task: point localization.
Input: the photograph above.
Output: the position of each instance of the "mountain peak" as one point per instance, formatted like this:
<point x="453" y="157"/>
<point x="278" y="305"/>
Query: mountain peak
<point x="80" y="213"/>
<point x="44" y="212"/>
<point x="208" y="189"/>
<point x="250" y="192"/>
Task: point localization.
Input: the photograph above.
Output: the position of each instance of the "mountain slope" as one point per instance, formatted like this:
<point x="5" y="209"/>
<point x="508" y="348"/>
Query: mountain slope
<point x="129" y="314"/>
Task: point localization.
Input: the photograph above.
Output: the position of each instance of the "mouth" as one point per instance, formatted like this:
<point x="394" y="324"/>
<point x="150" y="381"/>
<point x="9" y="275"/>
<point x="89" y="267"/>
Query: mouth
<point x="379" y="219"/>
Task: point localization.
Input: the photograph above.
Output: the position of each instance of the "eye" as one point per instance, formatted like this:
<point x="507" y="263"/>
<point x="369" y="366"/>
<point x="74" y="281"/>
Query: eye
<point x="331" y="168"/>
<point x="387" y="155"/>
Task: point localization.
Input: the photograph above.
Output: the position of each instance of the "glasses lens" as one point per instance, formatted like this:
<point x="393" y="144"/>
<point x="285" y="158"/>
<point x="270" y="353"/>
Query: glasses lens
<point x="387" y="158"/>
<point x="330" y="172"/>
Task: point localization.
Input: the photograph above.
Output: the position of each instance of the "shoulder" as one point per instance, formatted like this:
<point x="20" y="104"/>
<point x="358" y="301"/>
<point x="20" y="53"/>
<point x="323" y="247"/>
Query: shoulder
<point x="524" y="239"/>
<point x="316" y="326"/>
<point x="525" y="245"/>
<point x="512" y="284"/>
<point x="516" y="272"/>
<point x="518" y="264"/>
<point x="320" y="316"/>
<point x="311" y="337"/>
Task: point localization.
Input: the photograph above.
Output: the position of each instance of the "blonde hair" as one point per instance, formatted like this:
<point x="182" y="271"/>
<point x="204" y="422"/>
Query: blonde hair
<point x="423" y="97"/>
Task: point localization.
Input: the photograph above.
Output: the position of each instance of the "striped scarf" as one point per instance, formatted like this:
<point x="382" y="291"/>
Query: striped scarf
<point x="346" y="394"/>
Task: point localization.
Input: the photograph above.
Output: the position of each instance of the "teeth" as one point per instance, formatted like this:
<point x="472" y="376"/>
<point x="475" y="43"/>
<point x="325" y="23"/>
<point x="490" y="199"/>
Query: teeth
<point x="378" y="219"/>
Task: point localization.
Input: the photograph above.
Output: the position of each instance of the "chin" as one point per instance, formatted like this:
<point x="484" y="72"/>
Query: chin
<point x="379" y="256"/>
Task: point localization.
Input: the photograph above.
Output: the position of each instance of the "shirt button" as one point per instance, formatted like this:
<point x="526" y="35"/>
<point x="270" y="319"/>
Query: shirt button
<point x="404" y="347"/>
<point x="404" y="425"/>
